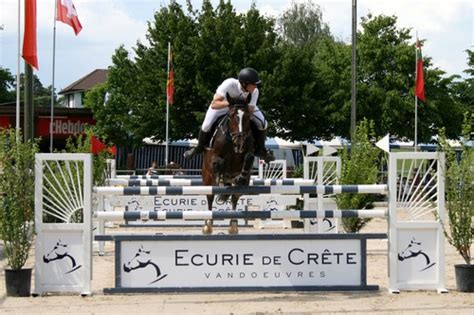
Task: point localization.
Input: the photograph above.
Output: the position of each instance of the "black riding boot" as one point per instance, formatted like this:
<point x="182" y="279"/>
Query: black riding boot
<point x="260" y="150"/>
<point x="202" y="142"/>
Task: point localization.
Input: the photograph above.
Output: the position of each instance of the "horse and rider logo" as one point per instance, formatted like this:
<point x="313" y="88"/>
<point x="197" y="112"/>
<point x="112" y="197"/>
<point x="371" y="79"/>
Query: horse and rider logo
<point x="329" y="223"/>
<point x="134" y="205"/>
<point x="142" y="259"/>
<point x="413" y="250"/>
<point x="59" y="252"/>
<point x="272" y="205"/>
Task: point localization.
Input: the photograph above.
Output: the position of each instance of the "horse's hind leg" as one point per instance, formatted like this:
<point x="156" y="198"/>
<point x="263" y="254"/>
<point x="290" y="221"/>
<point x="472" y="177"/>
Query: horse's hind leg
<point x="207" y="228"/>
<point x="234" y="224"/>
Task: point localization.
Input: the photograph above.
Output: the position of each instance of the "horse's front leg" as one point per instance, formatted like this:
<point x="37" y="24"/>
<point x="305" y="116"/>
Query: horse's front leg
<point x="207" y="228"/>
<point x="244" y="177"/>
<point x="234" y="224"/>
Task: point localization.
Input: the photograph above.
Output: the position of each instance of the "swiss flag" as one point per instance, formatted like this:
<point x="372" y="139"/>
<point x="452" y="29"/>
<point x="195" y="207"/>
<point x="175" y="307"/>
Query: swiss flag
<point x="66" y="13"/>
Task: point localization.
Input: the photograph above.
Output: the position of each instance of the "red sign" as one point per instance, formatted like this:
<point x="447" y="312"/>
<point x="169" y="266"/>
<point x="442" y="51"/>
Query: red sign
<point x="63" y="126"/>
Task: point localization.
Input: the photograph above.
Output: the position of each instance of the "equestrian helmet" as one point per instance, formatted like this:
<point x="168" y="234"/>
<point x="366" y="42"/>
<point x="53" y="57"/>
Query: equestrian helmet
<point x="249" y="76"/>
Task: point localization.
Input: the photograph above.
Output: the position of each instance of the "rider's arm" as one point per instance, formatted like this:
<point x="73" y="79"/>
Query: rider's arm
<point x="219" y="102"/>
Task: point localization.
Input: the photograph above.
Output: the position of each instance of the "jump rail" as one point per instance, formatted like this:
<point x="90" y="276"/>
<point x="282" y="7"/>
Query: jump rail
<point x="244" y="190"/>
<point x="248" y="215"/>
<point x="198" y="182"/>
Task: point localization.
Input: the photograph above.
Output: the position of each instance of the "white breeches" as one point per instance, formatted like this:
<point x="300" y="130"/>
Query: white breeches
<point x="213" y="114"/>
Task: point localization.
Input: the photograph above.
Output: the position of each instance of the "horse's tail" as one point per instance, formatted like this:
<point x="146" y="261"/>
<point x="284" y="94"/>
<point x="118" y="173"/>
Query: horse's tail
<point x="223" y="198"/>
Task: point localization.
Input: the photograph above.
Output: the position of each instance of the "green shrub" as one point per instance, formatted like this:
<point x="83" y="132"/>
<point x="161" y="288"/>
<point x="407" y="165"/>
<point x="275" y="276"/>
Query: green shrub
<point x="459" y="176"/>
<point x="17" y="201"/>
<point x="359" y="166"/>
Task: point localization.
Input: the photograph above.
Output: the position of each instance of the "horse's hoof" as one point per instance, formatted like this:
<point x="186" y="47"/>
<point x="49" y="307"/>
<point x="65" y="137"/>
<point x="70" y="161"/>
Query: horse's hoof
<point x="207" y="228"/>
<point x="233" y="227"/>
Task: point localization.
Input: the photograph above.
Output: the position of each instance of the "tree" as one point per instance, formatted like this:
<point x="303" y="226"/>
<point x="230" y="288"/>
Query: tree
<point x="295" y="88"/>
<point x="137" y="87"/>
<point x="386" y="63"/>
<point x="7" y="83"/>
<point x="306" y="76"/>
<point x="303" y="23"/>
<point x="114" y="103"/>
<point x="463" y="90"/>
<point x="42" y="95"/>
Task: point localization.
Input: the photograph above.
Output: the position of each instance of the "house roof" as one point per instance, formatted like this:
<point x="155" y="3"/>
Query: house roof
<point x="87" y="82"/>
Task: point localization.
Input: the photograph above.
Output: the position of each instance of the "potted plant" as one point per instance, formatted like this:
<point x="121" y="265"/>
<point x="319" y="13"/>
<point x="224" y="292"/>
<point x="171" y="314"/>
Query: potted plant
<point x="459" y="187"/>
<point x="17" y="208"/>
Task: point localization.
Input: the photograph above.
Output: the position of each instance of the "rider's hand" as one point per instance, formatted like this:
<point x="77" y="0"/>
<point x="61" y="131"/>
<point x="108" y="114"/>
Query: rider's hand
<point x="237" y="101"/>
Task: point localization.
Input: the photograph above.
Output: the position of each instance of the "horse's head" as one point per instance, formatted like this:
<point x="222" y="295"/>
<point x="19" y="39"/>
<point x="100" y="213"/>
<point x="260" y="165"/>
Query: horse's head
<point x="412" y="250"/>
<point x="239" y="122"/>
<point x="59" y="251"/>
<point x="141" y="259"/>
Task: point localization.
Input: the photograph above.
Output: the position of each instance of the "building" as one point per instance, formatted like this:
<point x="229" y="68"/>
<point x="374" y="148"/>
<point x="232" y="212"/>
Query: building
<point x="70" y="120"/>
<point x="74" y="93"/>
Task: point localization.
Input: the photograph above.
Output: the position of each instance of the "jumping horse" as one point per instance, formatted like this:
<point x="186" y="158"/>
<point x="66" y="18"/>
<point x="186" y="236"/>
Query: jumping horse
<point x="228" y="160"/>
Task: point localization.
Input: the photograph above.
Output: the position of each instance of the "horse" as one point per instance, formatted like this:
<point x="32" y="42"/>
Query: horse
<point x="413" y="250"/>
<point x="142" y="259"/>
<point x="59" y="252"/>
<point x="229" y="158"/>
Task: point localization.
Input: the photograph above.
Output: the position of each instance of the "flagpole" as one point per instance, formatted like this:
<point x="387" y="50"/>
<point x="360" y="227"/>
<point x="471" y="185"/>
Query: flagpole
<point x="17" y="121"/>
<point x="416" y="97"/>
<point x="51" y="130"/>
<point x="167" y="103"/>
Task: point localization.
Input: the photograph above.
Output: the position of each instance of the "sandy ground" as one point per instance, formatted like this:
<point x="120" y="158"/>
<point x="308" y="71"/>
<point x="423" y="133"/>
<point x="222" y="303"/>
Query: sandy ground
<point x="380" y="302"/>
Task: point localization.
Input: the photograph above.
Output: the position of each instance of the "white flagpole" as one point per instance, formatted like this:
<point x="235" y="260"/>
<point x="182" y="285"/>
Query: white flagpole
<point x="416" y="98"/>
<point x="51" y="131"/>
<point x="17" y="122"/>
<point x="167" y="103"/>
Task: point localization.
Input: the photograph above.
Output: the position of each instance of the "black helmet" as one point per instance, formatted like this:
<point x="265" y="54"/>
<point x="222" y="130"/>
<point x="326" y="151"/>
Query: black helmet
<point x="249" y="76"/>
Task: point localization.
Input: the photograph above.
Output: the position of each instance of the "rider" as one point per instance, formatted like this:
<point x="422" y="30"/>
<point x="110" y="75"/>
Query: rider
<point x="240" y="88"/>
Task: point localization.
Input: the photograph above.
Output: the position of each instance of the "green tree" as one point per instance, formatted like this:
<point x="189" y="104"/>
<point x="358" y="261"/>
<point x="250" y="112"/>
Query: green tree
<point x="113" y="103"/>
<point x="7" y="83"/>
<point x="42" y="95"/>
<point x="386" y="79"/>
<point x="294" y="86"/>
<point x="303" y="23"/>
<point x="137" y="103"/>
<point x="463" y="90"/>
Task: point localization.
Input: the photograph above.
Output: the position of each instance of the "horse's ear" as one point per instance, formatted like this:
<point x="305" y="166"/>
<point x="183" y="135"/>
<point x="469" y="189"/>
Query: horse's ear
<point x="249" y="98"/>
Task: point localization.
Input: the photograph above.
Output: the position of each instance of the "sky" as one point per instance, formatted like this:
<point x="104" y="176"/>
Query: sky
<point x="447" y="26"/>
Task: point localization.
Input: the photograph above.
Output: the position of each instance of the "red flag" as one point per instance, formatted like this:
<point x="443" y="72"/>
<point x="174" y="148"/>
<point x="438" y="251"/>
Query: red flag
<point x="29" y="38"/>
<point x="170" y="82"/>
<point x="66" y="13"/>
<point x="420" y="82"/>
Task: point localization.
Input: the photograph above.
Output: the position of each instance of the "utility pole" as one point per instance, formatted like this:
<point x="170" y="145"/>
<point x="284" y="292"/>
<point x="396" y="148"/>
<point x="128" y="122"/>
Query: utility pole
<point x="354" y="69"/>
<point x="28" y="112"/>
